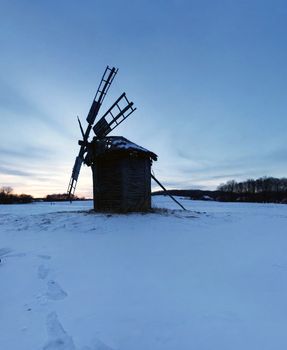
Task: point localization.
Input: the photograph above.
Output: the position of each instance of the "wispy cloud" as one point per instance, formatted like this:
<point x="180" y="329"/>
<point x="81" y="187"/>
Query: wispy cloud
<point x="189" y="171"/>
<point x="15" y="102"/>
<point x="14" y="172"/>
<point x="26" y="152"/>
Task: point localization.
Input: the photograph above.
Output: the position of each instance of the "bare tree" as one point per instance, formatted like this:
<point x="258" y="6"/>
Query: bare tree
<point x="6" y="190"/>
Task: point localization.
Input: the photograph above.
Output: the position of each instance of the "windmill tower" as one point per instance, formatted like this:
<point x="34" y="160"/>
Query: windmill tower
<point x="121" y="169"/>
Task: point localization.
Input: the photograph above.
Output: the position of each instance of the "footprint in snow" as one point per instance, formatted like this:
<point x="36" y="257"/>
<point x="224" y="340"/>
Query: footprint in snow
<point x="5" y="251"/>
<point x="97" y="344"/>
<point x="58" y="339"/>
<point x="43" y="272"/>
<point x="16" y="255"/>
<point x="55" y="292"/>
<point x="45" y="257"/>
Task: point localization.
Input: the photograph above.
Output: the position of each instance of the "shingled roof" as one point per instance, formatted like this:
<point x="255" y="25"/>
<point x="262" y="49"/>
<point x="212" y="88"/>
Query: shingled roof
<point x="120" y="144"/>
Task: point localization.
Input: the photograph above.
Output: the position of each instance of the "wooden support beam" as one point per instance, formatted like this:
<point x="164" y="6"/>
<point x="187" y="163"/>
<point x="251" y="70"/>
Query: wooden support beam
<point x="165" y="190"/>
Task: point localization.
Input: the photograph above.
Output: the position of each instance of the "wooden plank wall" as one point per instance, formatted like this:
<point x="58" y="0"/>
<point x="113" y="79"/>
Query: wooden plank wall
<point x="122" y="184"/>
<point x="136" y="184"/>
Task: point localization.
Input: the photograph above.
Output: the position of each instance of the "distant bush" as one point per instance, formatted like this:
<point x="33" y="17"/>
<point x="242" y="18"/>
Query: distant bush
<point x="60" y="197"/>
<point x="25" y="198"/>
<point x="7" y="197"/>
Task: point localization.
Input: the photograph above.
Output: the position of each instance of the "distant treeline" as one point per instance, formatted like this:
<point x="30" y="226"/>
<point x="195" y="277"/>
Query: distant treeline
<point x="7" y="197"/>
<point x="262" y="190"/>
<point x="263" y="184"/>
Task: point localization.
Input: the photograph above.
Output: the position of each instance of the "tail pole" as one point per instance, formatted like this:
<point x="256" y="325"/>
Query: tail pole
<point x="166" y="192"/>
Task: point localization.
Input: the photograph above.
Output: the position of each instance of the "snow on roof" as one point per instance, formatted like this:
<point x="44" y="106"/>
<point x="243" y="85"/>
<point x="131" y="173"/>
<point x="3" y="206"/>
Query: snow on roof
<point x="121" y="143"/>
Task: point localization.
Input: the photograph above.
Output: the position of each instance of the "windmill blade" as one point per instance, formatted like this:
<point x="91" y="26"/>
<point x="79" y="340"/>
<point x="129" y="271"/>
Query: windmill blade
<point x="106" y="81"/>
<point x="81" y="128"/>
<point x="76" y="170"/>
<point x="115" y="115"/>
<point x="103" y="88"/>
<point x="75" y="175"/>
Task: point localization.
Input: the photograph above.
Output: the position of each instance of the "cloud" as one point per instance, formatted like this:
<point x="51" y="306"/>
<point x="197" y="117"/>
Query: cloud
<point x="11" y="99"/>
<point x="279" y="155"/>
<point x="14" y="172"/>
<point x="17" y="105"/>
<point x="26" y="152"/>
<point x="189" y="171"/>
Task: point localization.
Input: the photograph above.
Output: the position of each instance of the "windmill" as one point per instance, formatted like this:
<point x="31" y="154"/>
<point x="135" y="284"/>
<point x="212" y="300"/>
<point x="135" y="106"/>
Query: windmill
<point x="121" y="169"/>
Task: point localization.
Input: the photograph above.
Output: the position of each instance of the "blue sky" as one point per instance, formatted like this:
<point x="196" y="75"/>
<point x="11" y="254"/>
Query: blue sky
<point x="208" y="79"/>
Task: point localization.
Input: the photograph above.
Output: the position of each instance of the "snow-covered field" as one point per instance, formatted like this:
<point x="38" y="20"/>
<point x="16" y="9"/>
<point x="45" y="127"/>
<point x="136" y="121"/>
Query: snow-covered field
<point x="214" y="277"/>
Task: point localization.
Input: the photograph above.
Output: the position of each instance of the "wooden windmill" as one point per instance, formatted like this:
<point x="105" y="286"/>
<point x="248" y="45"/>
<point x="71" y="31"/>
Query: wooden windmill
<point x="121" y="169"/>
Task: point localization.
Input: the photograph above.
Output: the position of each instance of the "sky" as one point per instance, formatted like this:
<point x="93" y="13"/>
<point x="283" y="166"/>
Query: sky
<point x="208" y="78"/>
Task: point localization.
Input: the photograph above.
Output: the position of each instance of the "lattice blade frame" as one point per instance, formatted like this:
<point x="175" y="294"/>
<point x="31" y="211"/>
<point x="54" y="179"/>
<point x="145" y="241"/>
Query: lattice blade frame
<point x="115" y="115"/>
<point x="105" y="83"/>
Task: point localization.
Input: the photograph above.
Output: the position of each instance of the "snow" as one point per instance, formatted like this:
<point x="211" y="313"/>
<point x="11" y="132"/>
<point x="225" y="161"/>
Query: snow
<point x="121" y="143"/>
<point x="214" y="277"/>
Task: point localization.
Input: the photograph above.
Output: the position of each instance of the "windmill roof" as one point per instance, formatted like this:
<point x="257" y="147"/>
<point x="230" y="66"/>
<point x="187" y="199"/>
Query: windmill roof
<point x="121" y="144"/>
